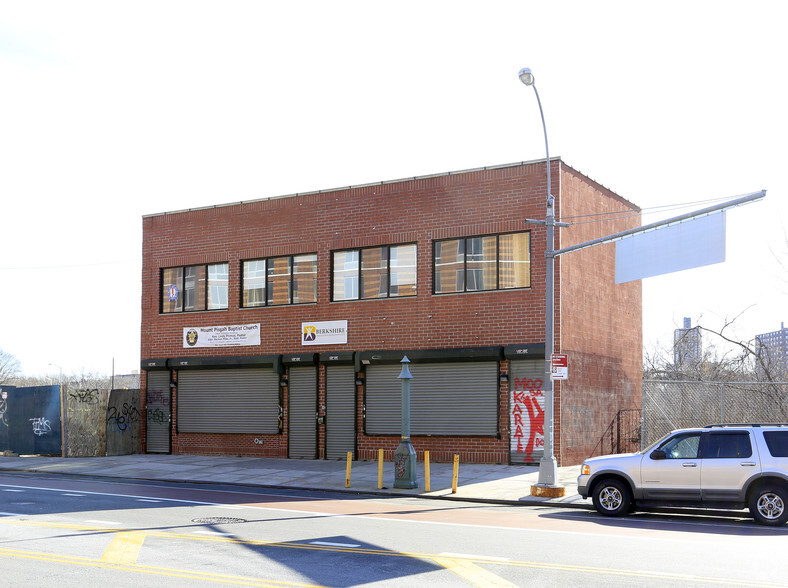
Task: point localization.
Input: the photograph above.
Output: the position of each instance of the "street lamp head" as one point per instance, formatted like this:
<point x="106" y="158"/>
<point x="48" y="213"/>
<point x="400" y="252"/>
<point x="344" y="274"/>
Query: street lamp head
<point x="526" y="76"/>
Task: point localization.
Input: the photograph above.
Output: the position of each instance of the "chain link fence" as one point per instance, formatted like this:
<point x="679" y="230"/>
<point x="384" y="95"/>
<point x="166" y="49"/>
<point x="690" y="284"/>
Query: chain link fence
<point x="669" y="405"/>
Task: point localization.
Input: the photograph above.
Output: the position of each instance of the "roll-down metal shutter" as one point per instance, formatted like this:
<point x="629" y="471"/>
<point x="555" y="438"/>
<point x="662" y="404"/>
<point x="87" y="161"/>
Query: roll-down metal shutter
<point x="457" y="398"/>
<point x="157" y="421"/>
<point x="340" y="411"/>
<point x="526" y="411"/>
<point x="301" y="421"/>
<point x="228" y="401"/>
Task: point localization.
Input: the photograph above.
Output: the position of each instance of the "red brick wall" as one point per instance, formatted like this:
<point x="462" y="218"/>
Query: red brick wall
<point x="420" y="210"/>
<point x="601" y="323"/>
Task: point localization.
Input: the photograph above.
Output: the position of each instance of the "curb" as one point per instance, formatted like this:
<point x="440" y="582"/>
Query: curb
<point x="375" y="492"/>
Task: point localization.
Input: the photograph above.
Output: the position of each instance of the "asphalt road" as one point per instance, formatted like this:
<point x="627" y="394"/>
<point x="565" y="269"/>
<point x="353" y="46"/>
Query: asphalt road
<point x="72" y="531"/>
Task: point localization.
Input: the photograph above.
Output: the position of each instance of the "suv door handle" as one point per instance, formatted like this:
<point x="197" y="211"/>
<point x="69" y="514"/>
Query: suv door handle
<point x="689" y="464"/>
<point x="749" y="463"/>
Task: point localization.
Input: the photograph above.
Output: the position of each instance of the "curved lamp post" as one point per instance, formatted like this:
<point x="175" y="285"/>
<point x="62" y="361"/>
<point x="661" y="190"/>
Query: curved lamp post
<point x="548" y="467"/>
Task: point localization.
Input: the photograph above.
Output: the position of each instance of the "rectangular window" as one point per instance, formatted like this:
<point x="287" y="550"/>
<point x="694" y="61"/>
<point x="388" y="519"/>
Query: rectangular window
<point x="514" y="260"/>
<point x="374" y="272"/>
<point x="172" y="287"/>
<point x="278" y="281"/>
<point x="489" y="262"/>
<point x="728" y="445"/>
<point x="345" y="275"/>
<point x="481" y="257"/>
<point x="450" y="266"/>
<point x="402" y="271"/>
<point x="218" y="285"/>
<point x="304" y="279"/>
<point x="777" y="442"/>
<point x="253" y="291"/>
<point x="195" y="287"/>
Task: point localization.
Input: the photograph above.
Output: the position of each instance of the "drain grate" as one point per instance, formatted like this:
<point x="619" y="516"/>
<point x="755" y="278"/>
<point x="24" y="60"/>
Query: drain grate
<point x="218" y="521"/>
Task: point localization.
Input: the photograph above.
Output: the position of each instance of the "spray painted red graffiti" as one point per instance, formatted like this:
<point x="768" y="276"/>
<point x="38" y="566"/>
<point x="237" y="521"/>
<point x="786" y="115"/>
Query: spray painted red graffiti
<point x="527" y="416"/>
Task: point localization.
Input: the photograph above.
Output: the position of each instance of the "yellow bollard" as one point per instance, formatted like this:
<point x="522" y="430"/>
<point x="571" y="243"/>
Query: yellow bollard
<point x="347" y="473"/>
<point x="380" y="469"/>
<point x="426" y="471"/>
<point x="455" y="474"/>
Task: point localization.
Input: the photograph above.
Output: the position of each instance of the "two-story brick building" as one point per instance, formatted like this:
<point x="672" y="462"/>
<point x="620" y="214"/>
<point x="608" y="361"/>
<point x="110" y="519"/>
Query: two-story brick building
<point x="276" y="327"/>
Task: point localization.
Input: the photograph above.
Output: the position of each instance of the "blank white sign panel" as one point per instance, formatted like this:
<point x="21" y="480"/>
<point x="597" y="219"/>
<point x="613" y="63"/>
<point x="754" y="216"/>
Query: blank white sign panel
<point x="693" y="243"/>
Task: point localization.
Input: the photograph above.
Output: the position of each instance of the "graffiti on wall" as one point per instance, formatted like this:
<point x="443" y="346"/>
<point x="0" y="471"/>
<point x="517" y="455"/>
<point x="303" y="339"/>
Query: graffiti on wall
<point x="30" y="420"/>
<point x="526" y="419"/>
<point x="41" y="426"/>
<point x="122" y="417"/>
<point x="84" y="438"/>
<point x="84" y="396"/>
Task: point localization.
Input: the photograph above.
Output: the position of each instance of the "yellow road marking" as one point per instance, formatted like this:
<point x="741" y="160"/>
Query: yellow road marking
<point x="124" y="548"/>
<point x="175" y="573"/>
<point x="381" y="552"/>
<point x="471" y="572"/>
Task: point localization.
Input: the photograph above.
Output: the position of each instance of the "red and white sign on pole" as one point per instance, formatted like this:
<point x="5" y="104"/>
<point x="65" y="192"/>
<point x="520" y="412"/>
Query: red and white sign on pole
<point x="559" y="366"/>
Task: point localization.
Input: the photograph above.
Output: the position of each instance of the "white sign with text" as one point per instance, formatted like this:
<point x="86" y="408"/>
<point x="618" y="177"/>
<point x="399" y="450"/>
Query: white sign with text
<point x="324" y="333"/>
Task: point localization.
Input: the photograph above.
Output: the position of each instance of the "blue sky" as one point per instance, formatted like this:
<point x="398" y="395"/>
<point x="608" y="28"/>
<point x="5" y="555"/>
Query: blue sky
<point x="113" y="110"/>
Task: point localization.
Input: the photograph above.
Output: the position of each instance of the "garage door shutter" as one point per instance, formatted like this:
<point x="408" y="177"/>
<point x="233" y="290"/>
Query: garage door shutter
<point x="340" y="411"/>
<point x="228" y="401"/>
<point x="526" y="411"/>
<point x="301" y="423"/>
<point x="157" y="438"/>
<point x="457" y="398"/>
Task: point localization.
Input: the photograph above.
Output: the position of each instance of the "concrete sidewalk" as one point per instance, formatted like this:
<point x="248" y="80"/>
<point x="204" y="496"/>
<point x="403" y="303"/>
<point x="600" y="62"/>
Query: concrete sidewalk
<point x="499" y="484"/>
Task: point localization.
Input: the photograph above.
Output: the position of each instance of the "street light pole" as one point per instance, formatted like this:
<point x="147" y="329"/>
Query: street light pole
<point x="548" y="466"/>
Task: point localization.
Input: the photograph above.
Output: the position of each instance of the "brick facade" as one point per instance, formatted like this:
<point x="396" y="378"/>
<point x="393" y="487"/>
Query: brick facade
<point x="598" y="322"/>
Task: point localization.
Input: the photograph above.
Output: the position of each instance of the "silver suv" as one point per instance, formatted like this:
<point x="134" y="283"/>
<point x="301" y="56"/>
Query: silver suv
<point x="719" y="466"/>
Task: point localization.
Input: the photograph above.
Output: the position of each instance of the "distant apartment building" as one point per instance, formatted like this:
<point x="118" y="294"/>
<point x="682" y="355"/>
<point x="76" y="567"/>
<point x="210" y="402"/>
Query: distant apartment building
<point x="687" y="344"/>
<point x="773" y="349"/>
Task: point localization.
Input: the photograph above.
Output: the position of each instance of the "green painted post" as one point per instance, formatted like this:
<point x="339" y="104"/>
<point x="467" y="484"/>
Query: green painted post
<point x="405" y="455"/>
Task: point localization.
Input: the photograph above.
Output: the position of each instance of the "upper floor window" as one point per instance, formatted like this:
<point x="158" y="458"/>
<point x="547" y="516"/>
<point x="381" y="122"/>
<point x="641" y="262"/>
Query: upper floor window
<point x="275" y="281"/>
<point x="374" y="272"/>
<point x="492" y="262"/>
<point x="195" y="287"/>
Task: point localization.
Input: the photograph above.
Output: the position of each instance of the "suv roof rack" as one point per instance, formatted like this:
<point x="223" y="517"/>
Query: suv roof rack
<point x="747" y="425"/>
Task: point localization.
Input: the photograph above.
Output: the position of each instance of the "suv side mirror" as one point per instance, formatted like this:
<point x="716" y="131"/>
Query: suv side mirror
<point x="658" y="454"/>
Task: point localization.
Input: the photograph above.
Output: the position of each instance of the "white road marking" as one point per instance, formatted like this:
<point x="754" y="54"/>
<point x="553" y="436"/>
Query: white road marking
<point x="329" y="544"/>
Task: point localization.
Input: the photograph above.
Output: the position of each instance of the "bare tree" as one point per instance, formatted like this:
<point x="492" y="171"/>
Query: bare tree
<point x="9" y="367"/>
<point x="76" y="381"/>
<point x="743" y="364"/>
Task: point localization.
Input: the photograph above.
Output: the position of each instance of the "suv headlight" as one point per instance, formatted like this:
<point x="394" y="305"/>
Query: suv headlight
<point x="585" y="469"/>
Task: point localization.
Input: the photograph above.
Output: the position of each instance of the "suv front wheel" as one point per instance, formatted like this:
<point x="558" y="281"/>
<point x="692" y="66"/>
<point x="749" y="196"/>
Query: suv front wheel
<point x="769" y="505"/>
<point x="612" y="497"/>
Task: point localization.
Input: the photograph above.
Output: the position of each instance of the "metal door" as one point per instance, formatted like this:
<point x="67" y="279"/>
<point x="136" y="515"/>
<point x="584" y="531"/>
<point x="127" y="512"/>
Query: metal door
<point x="158" y="412"/>
<point x="676" y="477"/>
<point x="340" y="411"/>
<point x="302" y="412"/>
